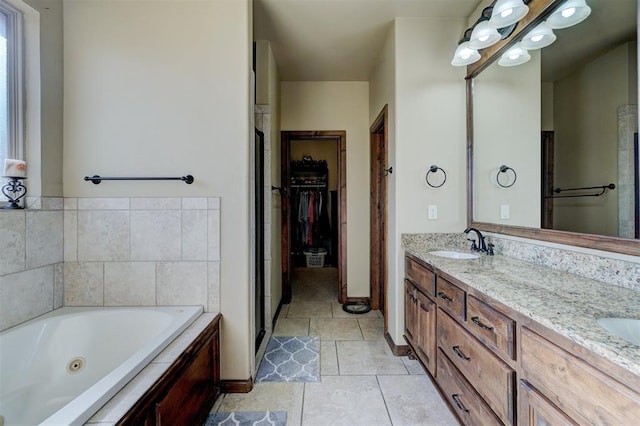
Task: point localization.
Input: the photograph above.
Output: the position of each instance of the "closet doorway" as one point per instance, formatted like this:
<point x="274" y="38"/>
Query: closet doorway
<point x="319" y="184"/>
<point x="379" y="207"/>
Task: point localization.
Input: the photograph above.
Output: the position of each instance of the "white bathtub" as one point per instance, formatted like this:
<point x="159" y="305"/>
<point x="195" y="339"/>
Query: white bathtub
<point x="60" y="368"/>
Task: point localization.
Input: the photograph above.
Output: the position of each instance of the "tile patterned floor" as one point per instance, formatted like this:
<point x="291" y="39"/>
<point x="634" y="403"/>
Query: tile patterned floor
<point x="361" y="383"/>
<point x="290" y="359"/>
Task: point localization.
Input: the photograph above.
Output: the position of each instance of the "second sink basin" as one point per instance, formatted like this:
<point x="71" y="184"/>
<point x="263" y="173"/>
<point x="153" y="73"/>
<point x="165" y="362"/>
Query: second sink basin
<point x="451" y="254"/>
<point x="625" y="328"/>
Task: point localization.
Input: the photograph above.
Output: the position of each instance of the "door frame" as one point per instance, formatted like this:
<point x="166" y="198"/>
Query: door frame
<point x="379" y="141"/>
<point x="286" y="137"/>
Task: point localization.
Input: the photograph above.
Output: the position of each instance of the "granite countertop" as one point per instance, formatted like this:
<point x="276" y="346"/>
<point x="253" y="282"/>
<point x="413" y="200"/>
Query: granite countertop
<point x="563" y="302"/>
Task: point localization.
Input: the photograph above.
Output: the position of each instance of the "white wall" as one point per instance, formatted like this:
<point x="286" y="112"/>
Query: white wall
<point x="507" y="122"/>
<point x="321" y="105"/>
<point x="49" y="151"/>
<point x="586" y="138"/>
<point x="426" y="98"/>
<point x="162" y="89"/>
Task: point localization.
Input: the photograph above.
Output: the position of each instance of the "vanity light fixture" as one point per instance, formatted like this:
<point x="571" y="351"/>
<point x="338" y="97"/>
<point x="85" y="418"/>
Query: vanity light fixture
<point x="508" y="12"/>
<point x="514" y="56"/>
<point x="541" y="36"/>
<point x="464" y="55"/>
<point x="483" y="35"/>
<point x="569" y="13"/>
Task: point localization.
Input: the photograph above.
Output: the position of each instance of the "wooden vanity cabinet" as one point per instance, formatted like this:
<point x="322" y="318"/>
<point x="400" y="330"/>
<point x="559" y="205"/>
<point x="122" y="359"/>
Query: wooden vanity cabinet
<point x="420" y="313"/>
<point x="573" y="386"/>
<point x="489" y="375"/>
<point x="420" y="325"/>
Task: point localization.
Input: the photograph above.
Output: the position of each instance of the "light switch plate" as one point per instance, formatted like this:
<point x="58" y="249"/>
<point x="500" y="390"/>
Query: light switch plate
<point x="505" y="211"/>
<point x="433" y="211"/>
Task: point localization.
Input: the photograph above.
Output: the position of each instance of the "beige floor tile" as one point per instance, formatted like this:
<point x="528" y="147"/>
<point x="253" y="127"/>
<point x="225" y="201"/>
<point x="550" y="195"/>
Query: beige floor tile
<point x="309" y="310"/>
<point x="292" y="327"/>
<point x="317" y="284"/>
<point x="368" y="357"/>
<point x="372" y="328"/>
<point x="335" y="329"/>
<point x="338" y="312"/>
<point x="268" y="396"/>
<point x="344" y="400"/>
<point x="328" y="358"/>
<point x="284" y="311"/>
<point x="413" y="366"/>
<point x="414" y="401"/>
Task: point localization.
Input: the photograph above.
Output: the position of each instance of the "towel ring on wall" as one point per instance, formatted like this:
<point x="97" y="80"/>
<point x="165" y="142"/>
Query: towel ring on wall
<point x="434" y="169"/>
<point x="504" y="169"/>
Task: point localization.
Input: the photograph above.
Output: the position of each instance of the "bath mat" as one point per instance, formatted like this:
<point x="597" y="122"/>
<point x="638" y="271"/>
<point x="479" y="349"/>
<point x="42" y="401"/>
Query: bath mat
<point x="248" y="418"/>
<point x="290" y="359"/>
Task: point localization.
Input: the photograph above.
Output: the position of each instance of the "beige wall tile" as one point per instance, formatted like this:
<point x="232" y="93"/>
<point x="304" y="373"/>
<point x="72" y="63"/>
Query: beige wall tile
<point x="44" y="238"/>
<point x="129" y="284"/>
<point x="214" y="235"/>
<point x="182" y="283"/>
<point x="25" y="295"/>
<point x="103" y="203"/>
<point x="194" y="203"/>
<point x="83" y="284"/>
<point x="103" y="235"/>
<point x="58" y="285"/>
<point x="194" y="235"/>
<point x="169" y="203"/>
<point x="70" y="236"/>
<point x="12" y="241"/>
<point x="213" y="290"/>
<point x="156" y="235"/>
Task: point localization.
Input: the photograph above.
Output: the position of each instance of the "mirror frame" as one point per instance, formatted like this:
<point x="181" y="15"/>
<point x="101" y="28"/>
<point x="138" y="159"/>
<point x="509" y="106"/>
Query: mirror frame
<point x="539" y="10"/>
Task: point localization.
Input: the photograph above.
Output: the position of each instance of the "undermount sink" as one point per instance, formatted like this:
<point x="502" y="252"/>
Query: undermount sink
<point x="625" y="328"/>
<point x="454" y="254"/>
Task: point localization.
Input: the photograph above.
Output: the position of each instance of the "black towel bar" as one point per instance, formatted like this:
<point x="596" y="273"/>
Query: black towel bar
<point x="96" y="179"/>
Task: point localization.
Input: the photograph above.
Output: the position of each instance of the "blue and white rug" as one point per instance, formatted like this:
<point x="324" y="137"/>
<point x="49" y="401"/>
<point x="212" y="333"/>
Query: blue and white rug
<point x="248" y="418"/>
<point x="290" y="359"/>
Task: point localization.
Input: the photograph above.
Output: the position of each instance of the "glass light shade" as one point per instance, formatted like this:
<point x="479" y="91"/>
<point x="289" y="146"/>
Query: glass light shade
<point x="464" y="55"/>
<point x="569" y="13"/>
<point x="541" y="36"/>
<point x="507" y="12"/>
<point x="483" y="36"/>
<point x="514" y="56"/>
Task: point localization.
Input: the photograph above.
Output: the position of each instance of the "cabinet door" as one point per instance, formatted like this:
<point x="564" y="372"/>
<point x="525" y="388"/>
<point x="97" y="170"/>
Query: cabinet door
<point x="426" y="340"/>
<point x="536" y="410"/>
<point x="410" y="312"/>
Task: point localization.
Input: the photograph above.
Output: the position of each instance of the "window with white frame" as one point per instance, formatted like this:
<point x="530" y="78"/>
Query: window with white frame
<point x="11" y="83"/>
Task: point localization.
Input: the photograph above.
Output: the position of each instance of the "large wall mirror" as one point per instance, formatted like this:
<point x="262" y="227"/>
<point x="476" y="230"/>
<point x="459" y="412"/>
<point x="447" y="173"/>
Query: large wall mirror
<point x="565" y="126"/>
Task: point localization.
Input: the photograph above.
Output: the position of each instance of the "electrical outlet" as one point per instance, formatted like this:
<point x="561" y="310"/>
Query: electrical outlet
<point x="504" y="211"/>
<point x="433" y="211"/>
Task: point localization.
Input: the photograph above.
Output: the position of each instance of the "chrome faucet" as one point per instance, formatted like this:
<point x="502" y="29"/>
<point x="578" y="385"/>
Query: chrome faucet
<point x="480" y="245"/>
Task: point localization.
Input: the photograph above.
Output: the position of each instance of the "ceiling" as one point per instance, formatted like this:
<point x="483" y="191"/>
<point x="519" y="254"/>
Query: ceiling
<point x="338" y="40"/>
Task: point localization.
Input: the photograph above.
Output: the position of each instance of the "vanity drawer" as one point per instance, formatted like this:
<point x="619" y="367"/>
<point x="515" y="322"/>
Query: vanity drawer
<point x="584" y="393"/>
<point x="490" y="376"/>
<point x="492" y="327"/>
<point x="466" y="402"/>
<point x="450" y="297"/>
<point x="420" y="275"/>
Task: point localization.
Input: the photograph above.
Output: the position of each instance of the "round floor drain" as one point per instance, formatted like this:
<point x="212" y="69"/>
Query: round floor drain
<point x="76" y="365"/>
<point x="356" y="307"/>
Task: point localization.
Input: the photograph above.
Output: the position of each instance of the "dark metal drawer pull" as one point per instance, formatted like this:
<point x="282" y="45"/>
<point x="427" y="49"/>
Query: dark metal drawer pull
<point x="456" y="399"/>
<point x="444" y="296"/>
<point x="458" y="352"/>
<point x="477" y="322"/>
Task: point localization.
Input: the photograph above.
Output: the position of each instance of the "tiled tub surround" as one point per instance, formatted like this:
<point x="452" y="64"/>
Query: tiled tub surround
<point x="31" y="255"/>
<point x="142" y="252"/>
<point x="563" y="302"/>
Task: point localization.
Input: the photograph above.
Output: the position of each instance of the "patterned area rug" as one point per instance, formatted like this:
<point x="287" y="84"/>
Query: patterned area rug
<point x="248" y="418"/>
<point x="290" y="359"/>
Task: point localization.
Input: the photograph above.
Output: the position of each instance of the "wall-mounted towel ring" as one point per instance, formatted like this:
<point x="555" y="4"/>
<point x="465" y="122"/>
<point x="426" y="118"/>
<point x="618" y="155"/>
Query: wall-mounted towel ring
<point x="434" y="169"/>
<point x="504" y="169"/>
